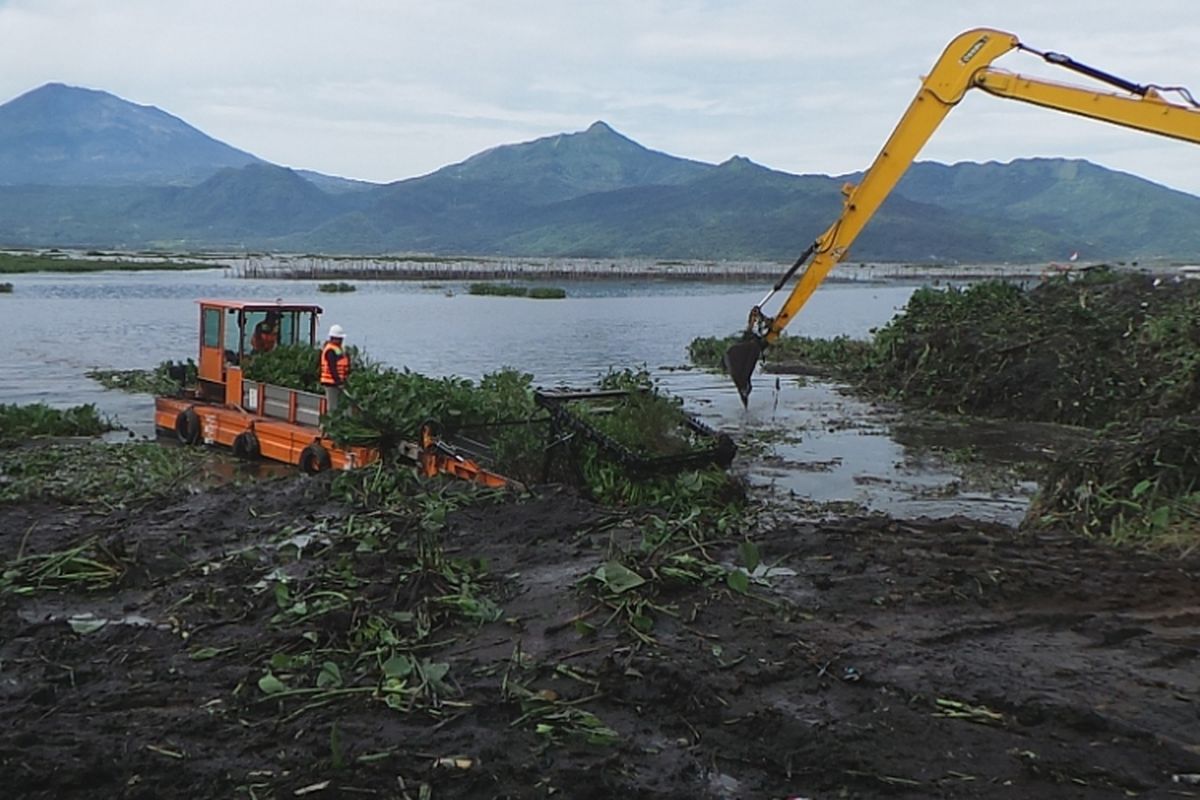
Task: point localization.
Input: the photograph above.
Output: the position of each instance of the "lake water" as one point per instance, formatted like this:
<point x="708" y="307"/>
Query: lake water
<point x="60" y="326"/>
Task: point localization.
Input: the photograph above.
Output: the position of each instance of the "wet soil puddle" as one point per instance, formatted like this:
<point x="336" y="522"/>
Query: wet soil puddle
<point x="812" y="439"/>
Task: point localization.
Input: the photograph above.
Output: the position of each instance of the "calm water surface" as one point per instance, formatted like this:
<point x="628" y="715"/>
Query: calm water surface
<point x="60" y="326"/>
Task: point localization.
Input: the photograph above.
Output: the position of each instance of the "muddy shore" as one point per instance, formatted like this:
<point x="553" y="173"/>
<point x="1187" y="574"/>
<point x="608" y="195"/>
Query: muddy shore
<point x="460" y="649"/>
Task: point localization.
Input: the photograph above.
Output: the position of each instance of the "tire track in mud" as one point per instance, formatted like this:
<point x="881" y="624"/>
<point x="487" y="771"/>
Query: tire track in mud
<point x="1047" y="639"/>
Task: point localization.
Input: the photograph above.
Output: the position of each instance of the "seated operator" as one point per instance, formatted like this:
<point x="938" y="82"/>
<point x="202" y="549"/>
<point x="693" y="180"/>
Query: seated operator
<point x="266" y="334"/>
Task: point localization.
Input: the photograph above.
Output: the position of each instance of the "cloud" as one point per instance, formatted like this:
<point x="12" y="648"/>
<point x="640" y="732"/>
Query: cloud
<point x="384" y="89"/>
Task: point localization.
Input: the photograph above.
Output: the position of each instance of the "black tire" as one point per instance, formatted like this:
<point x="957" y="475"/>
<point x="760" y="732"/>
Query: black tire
<point x="245" y="445"/>
<point x="187" y="427"/>
<point x="314" y="459"/>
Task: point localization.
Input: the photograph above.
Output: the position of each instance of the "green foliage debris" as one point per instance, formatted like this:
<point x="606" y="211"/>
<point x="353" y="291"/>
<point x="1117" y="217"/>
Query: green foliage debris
<point x="161" y="380"/>
<point x="104" y="475"/>
<point x="1137" y="483"/>
<point x="19" y="423"/>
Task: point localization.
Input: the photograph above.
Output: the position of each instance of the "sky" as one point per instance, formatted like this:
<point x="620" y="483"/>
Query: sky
<point x="385" y="90"/>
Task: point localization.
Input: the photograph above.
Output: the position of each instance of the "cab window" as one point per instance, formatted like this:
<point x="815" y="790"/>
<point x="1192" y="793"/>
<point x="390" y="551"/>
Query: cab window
<point x="210" y="323"/>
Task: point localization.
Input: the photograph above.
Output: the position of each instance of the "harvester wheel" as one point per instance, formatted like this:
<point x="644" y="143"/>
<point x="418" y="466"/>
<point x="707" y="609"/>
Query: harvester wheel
<point x="187" y="426"/>
<point x="314" y="459"/>
<point x="245" y="445"/>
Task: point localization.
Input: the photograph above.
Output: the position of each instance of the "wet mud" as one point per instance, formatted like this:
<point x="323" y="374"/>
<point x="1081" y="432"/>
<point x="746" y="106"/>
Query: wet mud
<point x="871" y="657"/>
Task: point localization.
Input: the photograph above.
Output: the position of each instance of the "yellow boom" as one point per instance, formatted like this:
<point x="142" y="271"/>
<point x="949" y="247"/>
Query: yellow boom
<point x="965" y="65"/>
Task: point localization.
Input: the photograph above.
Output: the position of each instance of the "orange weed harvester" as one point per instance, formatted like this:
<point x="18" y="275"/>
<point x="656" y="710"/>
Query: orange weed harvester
<point x="260" y="420"/>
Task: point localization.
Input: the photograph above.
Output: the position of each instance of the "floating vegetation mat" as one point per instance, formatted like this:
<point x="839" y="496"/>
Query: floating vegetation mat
<point x="508" y="290"/>
<point x="167" y="378"/>
<point x="19" y="423"/>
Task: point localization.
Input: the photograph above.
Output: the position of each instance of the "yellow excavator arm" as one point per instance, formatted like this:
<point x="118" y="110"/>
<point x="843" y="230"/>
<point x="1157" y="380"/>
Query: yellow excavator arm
<point x="965" y="65"/>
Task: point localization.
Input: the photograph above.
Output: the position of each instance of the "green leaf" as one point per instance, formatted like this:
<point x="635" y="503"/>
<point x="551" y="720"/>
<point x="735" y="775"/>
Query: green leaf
<point x="271" y="685"/>
<point x="1160" y="517"/>
<point x="738" y="581"/>
<point x="282" y="662"/>
<point x="205" y="653"/>
<point x="1142" y="488"/>
<point x="618" y="578"/>
<point x="398" y="667"/>
<point x="330" y="676"/>
<point x="83" y="624"/>
<point x="748" y="553"/>
<point x="434" y="672"/>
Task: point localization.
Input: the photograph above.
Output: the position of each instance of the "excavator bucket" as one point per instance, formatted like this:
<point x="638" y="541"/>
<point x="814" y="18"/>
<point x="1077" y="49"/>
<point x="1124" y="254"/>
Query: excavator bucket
<point x="740" y="361"/>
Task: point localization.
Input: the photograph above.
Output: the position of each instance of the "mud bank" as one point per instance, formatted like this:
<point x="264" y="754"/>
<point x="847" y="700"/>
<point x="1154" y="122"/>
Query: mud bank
<point x="298" y="638"/>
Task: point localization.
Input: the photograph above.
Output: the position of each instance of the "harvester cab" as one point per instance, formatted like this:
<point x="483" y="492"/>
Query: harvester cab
<point x="231" y="331"/>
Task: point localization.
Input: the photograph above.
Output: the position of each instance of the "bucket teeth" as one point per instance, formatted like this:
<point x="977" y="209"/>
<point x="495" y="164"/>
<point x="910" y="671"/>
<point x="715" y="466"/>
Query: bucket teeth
<point x="740" y="361"/>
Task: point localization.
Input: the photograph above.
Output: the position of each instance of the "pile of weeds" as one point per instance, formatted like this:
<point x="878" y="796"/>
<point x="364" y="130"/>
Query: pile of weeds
<point x="1137" y="483"/>
<point x="650" y="425"/>
<point x="86" y="565"/>
<point x="294" y="366"/>
<point x="384" y="406"/>
<point x="386" y="403"/>
<point x="500" y="413"/>
<point x="99" y="475"/>
<point x="19" y="423"/>
<point x="6" y="288"/>
<point x="643" y="420"/>
<point x="1103" y="348"/>
<point x="336" y="287"/>
<point x="165" y="379"/>
<point x="297" y="366"/>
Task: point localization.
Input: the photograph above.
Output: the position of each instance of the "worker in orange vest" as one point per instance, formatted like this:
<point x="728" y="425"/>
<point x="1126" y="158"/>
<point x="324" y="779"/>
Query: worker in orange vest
<point x="335" y="367"/>
<point x="266" y="334"/>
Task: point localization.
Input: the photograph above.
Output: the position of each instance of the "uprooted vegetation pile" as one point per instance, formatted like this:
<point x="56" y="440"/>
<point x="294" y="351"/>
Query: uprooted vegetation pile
<point x="520" y="439"/>
<point x="1138" y="482"/>
<point x="1102" y="349"/>
<point x="1112" y="351"/>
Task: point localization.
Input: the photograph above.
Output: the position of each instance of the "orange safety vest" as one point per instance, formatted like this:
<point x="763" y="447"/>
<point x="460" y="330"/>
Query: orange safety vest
<point x="263" y="340"/>
<point x="342" y="365"/>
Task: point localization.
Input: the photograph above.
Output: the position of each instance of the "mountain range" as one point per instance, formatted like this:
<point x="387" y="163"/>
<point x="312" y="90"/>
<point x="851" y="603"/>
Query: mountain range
<point x="83" y="168"/>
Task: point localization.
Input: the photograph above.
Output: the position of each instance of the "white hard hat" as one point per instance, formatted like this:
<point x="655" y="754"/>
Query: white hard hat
<point x="336" y="332"/>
